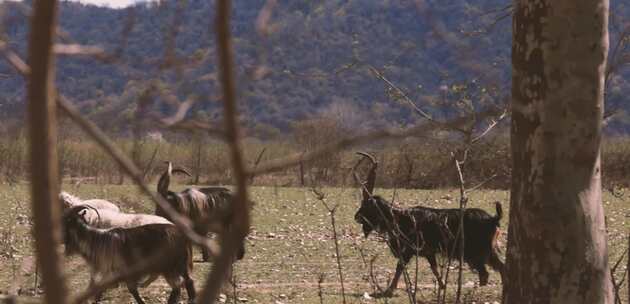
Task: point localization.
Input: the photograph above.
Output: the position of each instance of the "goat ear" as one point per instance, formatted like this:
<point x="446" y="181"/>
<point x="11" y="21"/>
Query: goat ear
<point x="82" y="212"/>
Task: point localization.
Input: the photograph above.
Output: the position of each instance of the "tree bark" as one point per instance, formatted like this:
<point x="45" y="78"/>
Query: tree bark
<point x="557" y="250"/>
<point x="43" y="148"/>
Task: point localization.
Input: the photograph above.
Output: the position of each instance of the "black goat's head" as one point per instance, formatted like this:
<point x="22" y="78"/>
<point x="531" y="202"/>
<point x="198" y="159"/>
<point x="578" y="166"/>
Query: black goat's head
<point x="367" y="187"/>
<point x="369" y="214"/>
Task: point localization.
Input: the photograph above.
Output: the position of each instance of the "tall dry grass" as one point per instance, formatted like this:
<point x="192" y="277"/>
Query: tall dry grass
<point x="414" y="163"/>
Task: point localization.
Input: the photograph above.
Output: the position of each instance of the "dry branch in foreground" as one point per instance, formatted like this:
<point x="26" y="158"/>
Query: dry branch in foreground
<point x="43" y="149"/>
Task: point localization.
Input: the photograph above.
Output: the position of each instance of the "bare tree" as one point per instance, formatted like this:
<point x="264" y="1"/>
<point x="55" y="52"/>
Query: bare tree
<point x="557" y="251"/>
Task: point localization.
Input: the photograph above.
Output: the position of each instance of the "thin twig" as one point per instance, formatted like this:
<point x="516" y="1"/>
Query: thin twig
<point x="320" y="293"/>
<point x="241" y="218"/>
<point x="371" y="276"/>
<point x="258" y="159"/>
<point x="490" y="127"/>
<point x="404" y="95"/>
<point x="462" y="208"/>
<point x="331" y="212"/>
<point x="481" y="184"/>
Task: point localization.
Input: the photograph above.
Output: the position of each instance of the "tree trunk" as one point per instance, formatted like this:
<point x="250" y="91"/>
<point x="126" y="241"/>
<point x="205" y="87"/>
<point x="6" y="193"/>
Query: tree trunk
<point x="557" y="250"/>
<point x="43" y="149"/>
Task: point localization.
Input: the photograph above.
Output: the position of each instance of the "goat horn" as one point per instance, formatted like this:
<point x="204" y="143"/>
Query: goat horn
<point x="356" y="176"/>
<point x="368" y="189"/>
<point x="181" y="170"/>
<point x="165" y="180"/>
<point x="84" y="207"/>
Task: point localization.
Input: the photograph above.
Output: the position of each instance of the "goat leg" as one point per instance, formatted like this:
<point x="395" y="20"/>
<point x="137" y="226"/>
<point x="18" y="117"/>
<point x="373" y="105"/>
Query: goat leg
<point x="174" y="297"/>
<point x="483" y="274"/>
<point x="495" y="262"/>
<point x="434" y="269"/>
<point x="190" y="288"/>
<point x="99" y="295"/>
<point x="389" y="292"/>
<point x="132" y="286"/>
<point x="175" y="282"/>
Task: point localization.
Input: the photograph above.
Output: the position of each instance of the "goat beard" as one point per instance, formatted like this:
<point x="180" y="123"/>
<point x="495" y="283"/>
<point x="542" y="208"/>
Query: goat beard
<point x="367" y="230"/>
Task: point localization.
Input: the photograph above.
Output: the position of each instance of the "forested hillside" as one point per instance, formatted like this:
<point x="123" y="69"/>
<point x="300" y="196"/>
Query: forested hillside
<point x="312" y="59"/>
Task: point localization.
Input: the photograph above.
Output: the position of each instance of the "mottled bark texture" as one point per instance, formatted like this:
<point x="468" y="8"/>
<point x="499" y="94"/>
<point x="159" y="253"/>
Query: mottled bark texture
<point x="43" y="148"/>
<point x="557" y="250"/>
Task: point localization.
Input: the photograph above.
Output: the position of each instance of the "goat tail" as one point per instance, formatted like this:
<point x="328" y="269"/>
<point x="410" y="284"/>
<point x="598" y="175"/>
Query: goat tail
<point x="499" y="215"/>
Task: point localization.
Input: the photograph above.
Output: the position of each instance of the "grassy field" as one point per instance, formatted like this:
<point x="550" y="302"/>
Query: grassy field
<point x="290" y="251"/>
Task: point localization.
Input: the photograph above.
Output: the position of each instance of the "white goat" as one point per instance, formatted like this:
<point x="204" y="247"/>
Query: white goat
<point x="109" y="219"/>
<point x="109" y="215"/>
<point x="70" y="201"/>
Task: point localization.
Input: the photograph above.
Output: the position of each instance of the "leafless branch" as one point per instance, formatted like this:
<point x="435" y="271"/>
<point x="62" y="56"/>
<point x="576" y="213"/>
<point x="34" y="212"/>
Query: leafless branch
<point x="263" y="26"/>
<point x="371" y="276"/>
<point x="196" y="126"/>
<point x="78" y="49"/>
<point x="258" y="159"/>
<point x="386" y="134"/>
<point x="610" y="116"/>
<point x="481" y="184"/>
<point x="181" y="111"/>
<point x="399" y="91"/>
<point x="43" y="149"/>
<point x="321" y="196"/>
<point x="491" y="126"/>
<point x="149" y="165"/>
<point x="320" y="280"/>
<point x="241" y="218"/>
<point x="463" y="199"/>
<point x="13" y="59"/>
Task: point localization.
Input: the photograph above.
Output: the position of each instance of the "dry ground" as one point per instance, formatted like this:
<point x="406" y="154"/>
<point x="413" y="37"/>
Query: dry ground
<point x="289" y="250"/>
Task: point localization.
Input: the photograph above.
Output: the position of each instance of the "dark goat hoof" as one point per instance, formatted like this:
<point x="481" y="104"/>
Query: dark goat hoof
<point x="483" y="281"/>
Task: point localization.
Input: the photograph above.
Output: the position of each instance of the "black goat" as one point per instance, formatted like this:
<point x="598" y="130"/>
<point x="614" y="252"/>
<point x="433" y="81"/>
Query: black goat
<point x="210" y="208"/>
<point x="114" y="251"/>
<point x="427" y="232"/>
